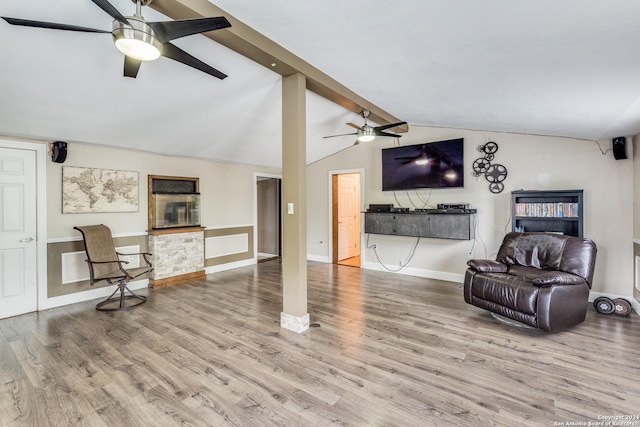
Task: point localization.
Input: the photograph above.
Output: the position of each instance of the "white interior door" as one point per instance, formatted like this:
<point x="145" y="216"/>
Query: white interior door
<point x="18" y="286"/>
<point x="348" y="215"/>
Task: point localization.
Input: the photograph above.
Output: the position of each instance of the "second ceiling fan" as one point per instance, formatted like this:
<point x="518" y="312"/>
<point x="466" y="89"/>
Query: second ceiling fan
<point x="367" y="132"/>
<point x="140" y="40"/>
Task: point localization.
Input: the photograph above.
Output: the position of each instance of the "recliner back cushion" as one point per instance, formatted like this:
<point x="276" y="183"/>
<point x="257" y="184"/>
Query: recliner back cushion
<point x="543" y="251"/>
<point x="549" y="251"/>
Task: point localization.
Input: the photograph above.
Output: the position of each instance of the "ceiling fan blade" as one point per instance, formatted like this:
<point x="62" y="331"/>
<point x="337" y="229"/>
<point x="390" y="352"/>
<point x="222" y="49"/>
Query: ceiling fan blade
<point x="131" y="66"/>
<point x="392" y="125"/>
<point x="342" y="134"/>
<point x="392" y="135"/>
<point x="173" y="52"/>
<point x="112" y="11"/>
<point x="51" y="25"/>
<point x="353" y="125"/>
<point x="171" y="30"/>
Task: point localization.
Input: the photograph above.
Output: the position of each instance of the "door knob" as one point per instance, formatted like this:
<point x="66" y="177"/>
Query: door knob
<point x="27" y="240"/>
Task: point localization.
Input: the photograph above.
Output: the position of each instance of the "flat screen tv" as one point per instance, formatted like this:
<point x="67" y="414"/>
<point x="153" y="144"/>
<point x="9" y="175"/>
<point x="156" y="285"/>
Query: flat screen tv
<point x="429" y="165"/>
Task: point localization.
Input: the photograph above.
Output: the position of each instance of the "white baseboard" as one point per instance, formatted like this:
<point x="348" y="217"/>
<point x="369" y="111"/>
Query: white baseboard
<point x="318" y="258"/>
<point x="418" y="272"/>
<point x="89" y="295"/>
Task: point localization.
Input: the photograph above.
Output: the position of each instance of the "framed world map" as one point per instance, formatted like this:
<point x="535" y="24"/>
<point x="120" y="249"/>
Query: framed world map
<point x="93" y="190"/>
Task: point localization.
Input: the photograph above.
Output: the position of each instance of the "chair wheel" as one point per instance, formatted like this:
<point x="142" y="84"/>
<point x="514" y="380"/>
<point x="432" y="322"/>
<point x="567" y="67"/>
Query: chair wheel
<point x="604" y="305"/>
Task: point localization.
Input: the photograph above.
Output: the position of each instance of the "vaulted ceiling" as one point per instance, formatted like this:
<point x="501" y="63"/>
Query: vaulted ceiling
<point x="569" y="68"/>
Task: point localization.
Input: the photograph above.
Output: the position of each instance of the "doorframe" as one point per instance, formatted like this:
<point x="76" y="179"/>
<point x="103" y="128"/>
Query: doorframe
<point x="256" y="176"/>
<point x="41" y="150"/>
<point x="332" y="173"/>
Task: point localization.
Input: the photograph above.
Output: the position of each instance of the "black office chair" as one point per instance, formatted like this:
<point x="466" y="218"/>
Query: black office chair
<point x="105" y="264"/>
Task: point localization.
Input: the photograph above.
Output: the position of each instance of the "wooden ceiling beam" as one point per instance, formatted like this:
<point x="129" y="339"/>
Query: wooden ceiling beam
<point x="248" y="42"/>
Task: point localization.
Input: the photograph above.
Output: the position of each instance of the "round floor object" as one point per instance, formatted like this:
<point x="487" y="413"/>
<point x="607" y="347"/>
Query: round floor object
<point x="622" y="307"/>
<point x="604" y="305"/>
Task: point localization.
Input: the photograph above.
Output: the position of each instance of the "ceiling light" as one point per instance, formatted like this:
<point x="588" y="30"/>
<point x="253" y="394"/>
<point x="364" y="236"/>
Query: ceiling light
<point x="137" y="41"/>
<point x="366" y="134"/>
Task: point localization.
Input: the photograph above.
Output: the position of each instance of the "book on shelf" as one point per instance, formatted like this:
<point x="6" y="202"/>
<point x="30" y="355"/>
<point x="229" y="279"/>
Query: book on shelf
<point x="547" y="210"/>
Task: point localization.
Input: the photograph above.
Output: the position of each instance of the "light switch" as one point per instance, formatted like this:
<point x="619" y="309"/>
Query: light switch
<point x="290" y="208"/>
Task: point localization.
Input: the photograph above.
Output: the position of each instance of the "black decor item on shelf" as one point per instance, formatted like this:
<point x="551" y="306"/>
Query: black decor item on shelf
<point x="494" y="173"/>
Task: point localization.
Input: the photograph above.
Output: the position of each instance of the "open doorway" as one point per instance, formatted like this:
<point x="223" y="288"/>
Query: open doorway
<point x="346" y="218"/>
<point x="269" y="218"/>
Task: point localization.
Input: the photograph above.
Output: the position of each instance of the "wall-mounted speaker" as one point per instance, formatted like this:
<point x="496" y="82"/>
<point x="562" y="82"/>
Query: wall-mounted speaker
<point x="59" y="151"/>
<point x="619" y="147"/>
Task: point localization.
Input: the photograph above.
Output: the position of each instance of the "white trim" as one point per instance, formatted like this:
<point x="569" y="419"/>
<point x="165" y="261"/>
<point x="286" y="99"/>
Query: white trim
<point x="65" y="267"/>
<point x="90" y="294"/>
<point x="229" y="266"/>
<point x="41" y="210"/>
<point x="637" y="272"/>
<point x="418" y="272"/>
<point x="319" y="258"/>
<point x="67" y="257"/>
<point x="330" y="213"/>
<point x="222" y="227"/>
<point x="229" y="244"/>
<point x="79" y="238"/>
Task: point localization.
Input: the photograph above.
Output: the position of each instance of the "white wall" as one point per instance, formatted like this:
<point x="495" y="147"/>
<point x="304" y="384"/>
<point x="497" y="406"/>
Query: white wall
<point x="227" y="189"/>
<point x="533" y="163"/>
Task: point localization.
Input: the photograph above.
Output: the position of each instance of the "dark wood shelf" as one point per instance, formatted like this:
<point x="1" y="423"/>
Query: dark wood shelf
<point x="438" y="226"/>
<point x="549" y="204"/>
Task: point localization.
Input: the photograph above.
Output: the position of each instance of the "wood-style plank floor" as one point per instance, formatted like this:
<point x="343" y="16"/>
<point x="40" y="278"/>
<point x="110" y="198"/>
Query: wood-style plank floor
<point x="390" y="350"/>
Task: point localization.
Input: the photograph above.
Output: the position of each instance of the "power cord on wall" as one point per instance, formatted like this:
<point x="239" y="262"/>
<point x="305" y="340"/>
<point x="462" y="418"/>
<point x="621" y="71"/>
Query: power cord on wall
<point x="425" y="203"/>
<point x="403" y="264"/>
<point x="396" y="198"/>
<point x="477" y="236"/>
<point x="600" y="148"/>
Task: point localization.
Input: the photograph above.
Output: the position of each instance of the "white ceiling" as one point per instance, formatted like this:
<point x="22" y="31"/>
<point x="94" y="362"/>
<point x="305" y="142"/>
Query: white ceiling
<point x="569" y="68"/>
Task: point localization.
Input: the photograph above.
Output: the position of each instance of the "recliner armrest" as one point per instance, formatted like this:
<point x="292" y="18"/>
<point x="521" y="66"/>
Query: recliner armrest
<point x="557" y="278"/>
<point x="487" y="266"/>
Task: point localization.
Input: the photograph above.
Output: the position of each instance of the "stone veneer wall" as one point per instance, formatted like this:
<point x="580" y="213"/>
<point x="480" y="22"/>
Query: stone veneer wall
<point x="176" y="254"/>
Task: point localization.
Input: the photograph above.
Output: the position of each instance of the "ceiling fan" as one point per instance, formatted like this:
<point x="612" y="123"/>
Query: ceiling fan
<point x="367" y="133"/>
<point x="140" y="40"/>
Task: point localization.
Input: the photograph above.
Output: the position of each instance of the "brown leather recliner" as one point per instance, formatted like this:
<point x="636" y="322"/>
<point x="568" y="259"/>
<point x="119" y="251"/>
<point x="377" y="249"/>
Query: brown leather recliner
<point x="539" y="279"/>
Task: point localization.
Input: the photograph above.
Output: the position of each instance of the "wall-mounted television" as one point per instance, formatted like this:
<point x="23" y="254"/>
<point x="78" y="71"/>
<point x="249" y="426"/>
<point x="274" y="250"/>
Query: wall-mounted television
<point x="429" y="165"/>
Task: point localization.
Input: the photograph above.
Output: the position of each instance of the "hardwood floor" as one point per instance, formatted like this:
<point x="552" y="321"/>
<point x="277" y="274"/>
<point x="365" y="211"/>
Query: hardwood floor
<point x="390" y="351"/>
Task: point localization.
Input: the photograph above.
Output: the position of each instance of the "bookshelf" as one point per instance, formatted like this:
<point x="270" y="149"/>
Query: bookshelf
<point x="555" y="211"/>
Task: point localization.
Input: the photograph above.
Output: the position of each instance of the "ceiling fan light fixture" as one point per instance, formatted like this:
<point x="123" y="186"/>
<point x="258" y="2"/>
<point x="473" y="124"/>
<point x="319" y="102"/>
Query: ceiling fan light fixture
<point x="366" y="134"/>
<point x="136" y="41"/>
